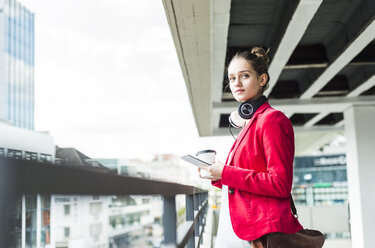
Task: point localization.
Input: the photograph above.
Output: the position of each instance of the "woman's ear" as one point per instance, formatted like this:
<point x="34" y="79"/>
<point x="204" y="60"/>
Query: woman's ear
<point x="263" y="79"/>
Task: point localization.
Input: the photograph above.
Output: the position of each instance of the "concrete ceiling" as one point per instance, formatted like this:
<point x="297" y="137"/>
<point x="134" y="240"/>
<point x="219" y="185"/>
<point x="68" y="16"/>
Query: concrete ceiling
<point x="322" y="57"/>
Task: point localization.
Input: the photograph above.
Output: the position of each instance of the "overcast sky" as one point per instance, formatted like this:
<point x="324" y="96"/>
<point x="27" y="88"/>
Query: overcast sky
<point x="108" y="81"/>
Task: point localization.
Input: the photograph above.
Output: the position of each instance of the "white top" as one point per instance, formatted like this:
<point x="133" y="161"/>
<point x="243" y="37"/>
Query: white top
<point x="226" y="238"/>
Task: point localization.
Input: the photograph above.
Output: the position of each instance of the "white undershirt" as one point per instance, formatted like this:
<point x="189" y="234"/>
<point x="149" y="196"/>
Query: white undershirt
<point x="226" y="238"/>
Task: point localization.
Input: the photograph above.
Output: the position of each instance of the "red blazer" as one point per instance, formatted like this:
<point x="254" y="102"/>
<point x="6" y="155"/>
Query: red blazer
<point x="260" y="173"/>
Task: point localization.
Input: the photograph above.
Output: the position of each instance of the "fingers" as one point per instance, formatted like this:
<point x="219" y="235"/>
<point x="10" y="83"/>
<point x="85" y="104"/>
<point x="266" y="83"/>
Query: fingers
<point x="204" y="167"/>
<point x="212" y="170"/>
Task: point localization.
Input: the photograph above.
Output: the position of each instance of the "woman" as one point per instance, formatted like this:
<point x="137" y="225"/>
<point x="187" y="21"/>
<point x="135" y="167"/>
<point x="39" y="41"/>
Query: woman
<point x="257" y="177"/>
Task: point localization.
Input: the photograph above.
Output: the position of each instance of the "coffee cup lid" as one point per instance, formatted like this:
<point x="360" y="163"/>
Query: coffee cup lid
<point x="205" y="151"/>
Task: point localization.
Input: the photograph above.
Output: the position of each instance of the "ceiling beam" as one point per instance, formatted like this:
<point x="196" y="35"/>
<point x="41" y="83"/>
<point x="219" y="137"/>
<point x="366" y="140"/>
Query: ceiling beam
<point x="316" y="119"/>
<point x="298" y="24"/>
<point x="356" y="92"/>
<point x="323" y="65"/>
<point x="314" y="105"/>
<point x="363" y="87"/>
<point x="288" y="114"/>
<point x="189" y="22"/>
<point x="340" y="123"/>
<point x="220" y="17"/>
<point x="352" y="49"/>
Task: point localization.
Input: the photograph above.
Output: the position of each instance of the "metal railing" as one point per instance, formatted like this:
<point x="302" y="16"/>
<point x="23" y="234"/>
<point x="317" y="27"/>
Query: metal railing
<point x="19" y="177"/>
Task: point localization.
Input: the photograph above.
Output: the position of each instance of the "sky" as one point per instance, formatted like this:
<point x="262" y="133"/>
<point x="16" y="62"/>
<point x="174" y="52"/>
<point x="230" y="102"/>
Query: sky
<point x="108" y="81"/>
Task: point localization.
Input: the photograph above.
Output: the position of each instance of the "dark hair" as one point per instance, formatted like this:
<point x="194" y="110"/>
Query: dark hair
<point x="259" y="60"/>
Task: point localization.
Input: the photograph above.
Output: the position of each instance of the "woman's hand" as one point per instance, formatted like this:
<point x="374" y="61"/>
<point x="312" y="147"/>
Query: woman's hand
<point x="215" y="170"/>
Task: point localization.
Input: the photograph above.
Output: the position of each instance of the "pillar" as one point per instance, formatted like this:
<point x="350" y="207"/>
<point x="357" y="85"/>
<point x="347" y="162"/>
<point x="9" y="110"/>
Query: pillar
<point x="360" y="145"/>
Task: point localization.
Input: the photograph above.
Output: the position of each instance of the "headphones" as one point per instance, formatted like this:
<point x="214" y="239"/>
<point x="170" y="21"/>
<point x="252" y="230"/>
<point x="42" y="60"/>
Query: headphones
<point x="245" y="111"/>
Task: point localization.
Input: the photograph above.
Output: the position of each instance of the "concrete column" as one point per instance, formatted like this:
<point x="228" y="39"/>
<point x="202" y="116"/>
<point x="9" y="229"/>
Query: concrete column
<point x="360" y="145"/>
<point x="52" y="222"/>
<point x="38" y="220"/>
<point x="23" y="224"/>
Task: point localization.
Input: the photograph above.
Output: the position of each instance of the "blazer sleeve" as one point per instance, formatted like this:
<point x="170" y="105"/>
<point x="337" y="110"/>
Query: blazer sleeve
<point x="217" y="183"/>
<point x="278" y="147"/>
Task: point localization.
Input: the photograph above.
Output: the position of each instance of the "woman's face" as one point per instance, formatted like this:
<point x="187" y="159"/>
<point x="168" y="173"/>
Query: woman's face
<point x="244" y="81"/>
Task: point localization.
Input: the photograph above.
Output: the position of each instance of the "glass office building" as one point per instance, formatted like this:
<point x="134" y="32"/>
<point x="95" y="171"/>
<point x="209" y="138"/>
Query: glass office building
<point x="16" y="64"/>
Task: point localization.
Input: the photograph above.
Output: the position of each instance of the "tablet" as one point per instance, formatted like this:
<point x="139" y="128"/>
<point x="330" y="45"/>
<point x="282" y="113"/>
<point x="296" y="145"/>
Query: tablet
<point x="193" y="160"/>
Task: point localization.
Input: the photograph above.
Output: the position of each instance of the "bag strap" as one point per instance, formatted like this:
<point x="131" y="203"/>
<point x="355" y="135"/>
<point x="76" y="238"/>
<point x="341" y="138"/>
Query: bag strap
<point x="293" y="207"/>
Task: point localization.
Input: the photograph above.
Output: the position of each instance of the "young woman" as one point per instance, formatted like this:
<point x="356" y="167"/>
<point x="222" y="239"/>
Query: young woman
<point x="256" y="179"/>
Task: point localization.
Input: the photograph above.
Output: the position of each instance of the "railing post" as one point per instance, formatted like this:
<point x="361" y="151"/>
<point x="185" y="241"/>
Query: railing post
<point x="169" y="221"/>
<point x="206" y="198"/>
<point x="190" y="217"/>
<point x="202" y="215"/>
<point x="196" y="209"/>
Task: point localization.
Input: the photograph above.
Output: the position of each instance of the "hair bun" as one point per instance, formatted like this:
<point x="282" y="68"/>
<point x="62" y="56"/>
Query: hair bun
<point x="261" y="53"/>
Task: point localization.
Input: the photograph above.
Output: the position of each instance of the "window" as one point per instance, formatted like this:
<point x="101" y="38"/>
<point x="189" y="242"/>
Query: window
<point x="45" y="158"/>
<point x="66" y="232"/>
<point x="31" y="220"/>
<point x="45" y="219"/>
<point x="62" y="199"/>
<point x="33" y="156"/>
<point x="1" y="152"/>
<point x="95" y="231"/>
<point x="66" y="210"/>
<point x="96" y="208"/>
<point x="14" y="154"/>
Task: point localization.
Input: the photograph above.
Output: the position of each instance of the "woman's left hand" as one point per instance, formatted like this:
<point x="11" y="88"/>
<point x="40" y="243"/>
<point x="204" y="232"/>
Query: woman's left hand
<point x="216" y="169"/>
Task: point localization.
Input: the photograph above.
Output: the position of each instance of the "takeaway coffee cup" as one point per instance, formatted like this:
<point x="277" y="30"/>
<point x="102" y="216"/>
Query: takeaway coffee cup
<point x="207" y="156"/>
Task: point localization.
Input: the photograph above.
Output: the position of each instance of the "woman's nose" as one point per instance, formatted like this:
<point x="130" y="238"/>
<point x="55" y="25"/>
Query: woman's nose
<point x="237" y="82"/>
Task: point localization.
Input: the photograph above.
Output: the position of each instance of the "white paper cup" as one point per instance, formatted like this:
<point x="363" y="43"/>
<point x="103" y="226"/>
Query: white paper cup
<point x="207" y="156"/>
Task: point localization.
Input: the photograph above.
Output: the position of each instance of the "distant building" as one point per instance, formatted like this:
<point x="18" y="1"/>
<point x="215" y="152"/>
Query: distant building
<point x="166" y="167"/>
<point x="16" y="64"/>
<point x="30" y="218"/>
<point x="72" y="157"/>
<point x="80" y="221"/>
<point x="320" y="180"/>
<point x="20" y="143"/>
<point x="132" y="218"/>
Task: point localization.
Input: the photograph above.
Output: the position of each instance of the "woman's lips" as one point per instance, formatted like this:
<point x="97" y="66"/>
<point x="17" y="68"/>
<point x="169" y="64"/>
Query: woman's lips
<point x="239" y="91"/>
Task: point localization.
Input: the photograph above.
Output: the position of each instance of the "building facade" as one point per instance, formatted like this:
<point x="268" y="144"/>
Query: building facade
<point x="79" y="221"/>
<point x="320" y="180"/>
<point x="16" y="64"/>
<point x="29" y="216"/>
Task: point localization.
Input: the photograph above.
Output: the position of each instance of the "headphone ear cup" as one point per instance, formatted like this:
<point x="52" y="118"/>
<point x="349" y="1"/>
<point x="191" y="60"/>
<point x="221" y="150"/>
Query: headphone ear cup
<point x="236" y="121"/>
<point x="246" y="110"/>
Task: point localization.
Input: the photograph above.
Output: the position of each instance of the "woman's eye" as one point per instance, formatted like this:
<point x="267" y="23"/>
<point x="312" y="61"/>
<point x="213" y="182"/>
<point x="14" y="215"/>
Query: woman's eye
<point x="231" y="79"/>
<point x="245" y="76"/>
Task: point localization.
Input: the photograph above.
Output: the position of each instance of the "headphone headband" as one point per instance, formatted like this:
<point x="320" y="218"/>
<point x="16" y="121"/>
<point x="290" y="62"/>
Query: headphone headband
<point x="248" y="108"/>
